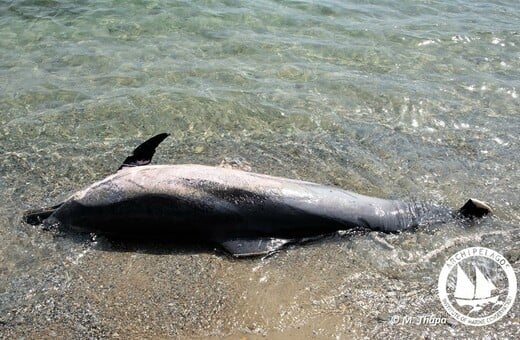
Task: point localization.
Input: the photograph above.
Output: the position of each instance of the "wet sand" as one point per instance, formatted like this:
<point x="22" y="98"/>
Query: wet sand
<point x="344" y="287"/>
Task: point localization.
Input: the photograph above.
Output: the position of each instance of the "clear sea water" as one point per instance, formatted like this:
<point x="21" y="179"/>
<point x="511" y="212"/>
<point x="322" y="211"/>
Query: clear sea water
<point x="400" y="99"/>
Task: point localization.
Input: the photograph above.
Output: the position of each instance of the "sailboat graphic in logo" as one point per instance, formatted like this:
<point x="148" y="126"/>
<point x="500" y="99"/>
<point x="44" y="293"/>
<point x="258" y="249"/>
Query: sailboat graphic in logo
<point x="475" y="295"/>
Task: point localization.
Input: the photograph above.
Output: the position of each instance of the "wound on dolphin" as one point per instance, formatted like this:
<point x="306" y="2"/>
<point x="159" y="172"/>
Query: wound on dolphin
<point x="245" y="213"/>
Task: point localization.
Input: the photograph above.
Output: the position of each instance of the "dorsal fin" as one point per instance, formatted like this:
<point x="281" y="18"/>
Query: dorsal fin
<point x="142" y="155"/>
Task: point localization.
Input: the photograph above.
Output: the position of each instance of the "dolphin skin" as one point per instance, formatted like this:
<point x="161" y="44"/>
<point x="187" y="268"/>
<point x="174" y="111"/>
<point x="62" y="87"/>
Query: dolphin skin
<point x="246" y="213"/>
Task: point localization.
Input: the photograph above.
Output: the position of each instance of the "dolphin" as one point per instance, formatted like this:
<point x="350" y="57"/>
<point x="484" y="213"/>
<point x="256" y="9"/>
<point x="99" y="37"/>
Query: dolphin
<point x="245" y="213"/>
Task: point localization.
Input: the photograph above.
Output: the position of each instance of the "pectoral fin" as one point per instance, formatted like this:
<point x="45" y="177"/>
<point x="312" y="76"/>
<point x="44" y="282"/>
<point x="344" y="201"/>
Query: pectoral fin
<point x="253" y="247"/>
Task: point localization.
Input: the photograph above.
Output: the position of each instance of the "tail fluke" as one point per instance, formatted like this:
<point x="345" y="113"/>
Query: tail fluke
<point x="475" y="208"/>
<point x="37" y="216"/>
<point x="143" y="154"/>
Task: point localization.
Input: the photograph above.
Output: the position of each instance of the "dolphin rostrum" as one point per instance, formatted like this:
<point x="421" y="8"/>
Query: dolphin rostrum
<point x="246" y="213"/>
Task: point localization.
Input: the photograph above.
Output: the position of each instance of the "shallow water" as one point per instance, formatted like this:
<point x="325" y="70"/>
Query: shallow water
<point x="391" y="99"/>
